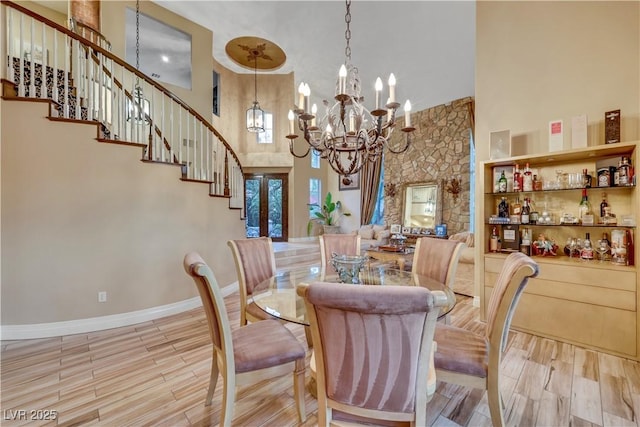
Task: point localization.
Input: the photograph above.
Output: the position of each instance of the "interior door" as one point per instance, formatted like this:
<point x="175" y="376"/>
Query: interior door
<point x="267" y="206"/>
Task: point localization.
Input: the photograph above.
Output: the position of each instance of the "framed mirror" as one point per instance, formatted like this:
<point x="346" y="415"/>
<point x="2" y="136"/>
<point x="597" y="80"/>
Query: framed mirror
<point x="422" y="205"/>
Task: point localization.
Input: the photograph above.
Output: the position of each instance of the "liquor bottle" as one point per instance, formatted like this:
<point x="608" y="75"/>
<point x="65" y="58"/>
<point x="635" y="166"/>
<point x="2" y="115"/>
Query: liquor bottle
<point x="493" y="241"/>
<point x="502" y="183"/>
<point x="584" y="208"/>
<point x="603" y="205"/>
<point x="503" y="208"/>
<point x="623" y="171"/>
<point x="527" y="179"/>
<point x="516" y="208"/>
<point x="587" y="248"/>
<point x="517" y="179"/>
<point x="586" y="179"/>
<point x="525" y="241"/>
<point x="526" y="211"/>
<point x="537" y="183"/>
<point x="605" y="238"/>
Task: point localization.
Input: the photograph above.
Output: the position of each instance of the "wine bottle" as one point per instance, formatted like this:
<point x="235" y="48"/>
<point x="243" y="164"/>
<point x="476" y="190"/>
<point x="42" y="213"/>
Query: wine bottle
<point x="584" y="208"/>
<point x="502" y="183"/>
<point x="527" y="179"/>
<point x="493" y="241"/>
<point x="603" y="205"/>
<point x="526" y="210"/>
<point x="586" y="252"/>
<point x="503" y="208"/>
<point x="586" y="179"/>
<point x="517" y="179"/>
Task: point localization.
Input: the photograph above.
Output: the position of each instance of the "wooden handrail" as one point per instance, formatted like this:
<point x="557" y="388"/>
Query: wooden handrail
<point x="99" y="35"/>
<point x="129" y="68"/>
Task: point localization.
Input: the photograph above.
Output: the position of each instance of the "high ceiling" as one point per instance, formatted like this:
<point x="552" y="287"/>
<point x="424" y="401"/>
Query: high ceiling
<point x="428" y="45"/>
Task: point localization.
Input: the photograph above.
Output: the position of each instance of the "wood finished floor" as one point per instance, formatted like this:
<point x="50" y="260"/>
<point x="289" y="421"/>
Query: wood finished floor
<point x="156" y="374"/>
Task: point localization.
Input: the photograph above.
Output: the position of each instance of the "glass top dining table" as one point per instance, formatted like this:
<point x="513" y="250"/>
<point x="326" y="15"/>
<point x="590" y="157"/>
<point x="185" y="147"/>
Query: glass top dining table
<point x="277" y="295"/>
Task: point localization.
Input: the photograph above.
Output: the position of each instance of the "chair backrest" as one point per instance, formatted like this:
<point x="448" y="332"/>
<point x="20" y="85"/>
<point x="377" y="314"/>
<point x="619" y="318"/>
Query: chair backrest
<point x="213" y="304"/>
<point x="372" y="346"/>
<point x="255" y="262"/>
<point x="437" y="259"/>
<point x="513" y="277"/>
<point x="342" y="244"/>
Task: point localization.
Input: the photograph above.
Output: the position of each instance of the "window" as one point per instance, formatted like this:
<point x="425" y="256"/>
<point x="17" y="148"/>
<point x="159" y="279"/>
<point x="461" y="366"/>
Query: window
<point x="315" y="159"/>
<point x="315" y="198"/>
<point x="216" y="94"/>
<point x="266" y="137"/>
<point x="378" y="212"/>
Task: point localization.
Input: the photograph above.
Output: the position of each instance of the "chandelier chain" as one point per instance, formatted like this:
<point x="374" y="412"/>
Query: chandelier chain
<point x="347" y="33"/>
<point x="255" y="79"/>
<point x="137" y="34"/>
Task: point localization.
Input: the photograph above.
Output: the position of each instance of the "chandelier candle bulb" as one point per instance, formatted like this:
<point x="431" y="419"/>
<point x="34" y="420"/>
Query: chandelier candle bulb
<point x="301" y="96"/>
<point x="378" y="90"/>
<point x="392" y="88"/>
<point x="307" y="94"/>
<point x="290" y="116"/>
<point x="342" y="79"/>
<point x="407" y="114"/>
<point x="314" y="111"/>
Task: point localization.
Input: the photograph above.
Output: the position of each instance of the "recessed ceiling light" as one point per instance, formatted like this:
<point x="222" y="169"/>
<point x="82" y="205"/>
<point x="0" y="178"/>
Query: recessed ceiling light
<point x="165" y="58"/>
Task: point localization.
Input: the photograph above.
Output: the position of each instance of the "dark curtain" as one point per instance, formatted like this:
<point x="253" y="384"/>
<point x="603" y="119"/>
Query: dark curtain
<point x="369" y="183"/>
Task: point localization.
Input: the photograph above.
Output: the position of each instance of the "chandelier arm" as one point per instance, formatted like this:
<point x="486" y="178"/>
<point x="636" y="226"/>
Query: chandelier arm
<point x="299" y="156"/>
<point x="408" y="141"/>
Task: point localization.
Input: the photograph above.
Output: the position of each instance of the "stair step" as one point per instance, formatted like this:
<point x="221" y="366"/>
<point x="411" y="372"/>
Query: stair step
<point x="296" y="254"/>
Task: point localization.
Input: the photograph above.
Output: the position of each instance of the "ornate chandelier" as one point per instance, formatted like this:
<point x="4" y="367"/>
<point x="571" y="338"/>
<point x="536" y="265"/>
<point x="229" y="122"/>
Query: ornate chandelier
<point x="349" y="135"/>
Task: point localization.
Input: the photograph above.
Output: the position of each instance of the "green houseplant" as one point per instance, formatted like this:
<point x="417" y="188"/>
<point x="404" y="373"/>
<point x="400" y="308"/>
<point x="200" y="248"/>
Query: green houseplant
<point x="328" y="216"/>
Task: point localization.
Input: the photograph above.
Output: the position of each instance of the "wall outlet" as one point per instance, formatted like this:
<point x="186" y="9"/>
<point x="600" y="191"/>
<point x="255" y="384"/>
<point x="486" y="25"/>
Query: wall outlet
<point x="102" y="296"/>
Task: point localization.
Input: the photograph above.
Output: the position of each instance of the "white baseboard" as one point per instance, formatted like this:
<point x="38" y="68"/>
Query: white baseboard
<point x="82" y="326"/>
<point x="476" y="301"/>
<point x="303" y="239"/>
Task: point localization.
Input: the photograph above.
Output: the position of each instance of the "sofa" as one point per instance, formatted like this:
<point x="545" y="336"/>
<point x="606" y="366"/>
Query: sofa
<point x="373" y="235"/>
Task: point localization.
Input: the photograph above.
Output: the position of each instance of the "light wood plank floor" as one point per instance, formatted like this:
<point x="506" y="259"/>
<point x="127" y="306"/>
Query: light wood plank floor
<point x="156" y="373"/>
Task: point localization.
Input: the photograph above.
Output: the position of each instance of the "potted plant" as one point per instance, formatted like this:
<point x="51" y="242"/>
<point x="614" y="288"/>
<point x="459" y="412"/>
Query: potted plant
<point x="328" y="216"/>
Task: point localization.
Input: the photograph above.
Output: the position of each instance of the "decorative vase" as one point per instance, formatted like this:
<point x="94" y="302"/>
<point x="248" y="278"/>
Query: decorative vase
<point x="348" y="267"/>
<point x="331" y="229"/>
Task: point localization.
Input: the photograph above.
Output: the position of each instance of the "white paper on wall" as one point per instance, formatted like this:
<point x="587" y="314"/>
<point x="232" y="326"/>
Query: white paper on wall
<point x="579" y="131"/>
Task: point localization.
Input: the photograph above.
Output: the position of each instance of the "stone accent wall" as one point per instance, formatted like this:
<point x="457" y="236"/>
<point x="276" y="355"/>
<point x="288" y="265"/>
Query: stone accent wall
<point x="87" y="12"/>
<point x="439" y="150"/>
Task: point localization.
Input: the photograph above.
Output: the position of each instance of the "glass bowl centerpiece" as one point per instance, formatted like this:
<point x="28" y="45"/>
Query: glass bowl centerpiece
<point x="348" y="267"/>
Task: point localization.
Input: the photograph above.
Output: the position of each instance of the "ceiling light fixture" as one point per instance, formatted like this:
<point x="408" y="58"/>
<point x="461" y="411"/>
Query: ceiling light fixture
<point x="349" y="135"/>
<point x="255" y="114"/>
<point x="138" y="106"/>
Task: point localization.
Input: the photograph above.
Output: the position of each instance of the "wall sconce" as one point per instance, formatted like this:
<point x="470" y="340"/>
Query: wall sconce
<point x="453" y="186"/>
<point x="390" y="189"/>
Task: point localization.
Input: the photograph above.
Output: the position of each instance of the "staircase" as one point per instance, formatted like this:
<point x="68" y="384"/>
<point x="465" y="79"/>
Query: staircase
<point x="84" y="82"/>
<point x="295" y="255"/>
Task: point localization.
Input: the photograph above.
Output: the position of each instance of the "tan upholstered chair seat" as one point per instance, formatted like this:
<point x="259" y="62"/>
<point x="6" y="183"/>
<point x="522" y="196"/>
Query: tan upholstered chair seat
<point x="461" y="351"/>
<point x="253" y="347"/>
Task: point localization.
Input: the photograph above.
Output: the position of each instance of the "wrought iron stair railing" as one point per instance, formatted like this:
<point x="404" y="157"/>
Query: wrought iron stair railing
<point x="85" y="81"/>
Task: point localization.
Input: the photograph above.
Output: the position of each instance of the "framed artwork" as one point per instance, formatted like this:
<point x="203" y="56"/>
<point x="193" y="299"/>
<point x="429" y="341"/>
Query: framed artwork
<point x="395" y="229"/>
<point x="353" y="185"/>
<point x="406" y="230"/>
<point x="174" y="65"/>
<point x="415" y="230"/>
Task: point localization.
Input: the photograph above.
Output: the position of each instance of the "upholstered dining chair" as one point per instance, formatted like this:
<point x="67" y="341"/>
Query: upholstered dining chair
<point x="249" y="354"/>
<point x="255" y="262"/>
<point x="343" y="244"/>
<point x="472" y="360"/>
<point x="437" y="258"/>
<point x="372" y="350"/>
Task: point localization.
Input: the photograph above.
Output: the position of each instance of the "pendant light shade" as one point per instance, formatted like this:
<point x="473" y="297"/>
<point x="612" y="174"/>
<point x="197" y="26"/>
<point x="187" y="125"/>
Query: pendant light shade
<point x="255" y="114"/>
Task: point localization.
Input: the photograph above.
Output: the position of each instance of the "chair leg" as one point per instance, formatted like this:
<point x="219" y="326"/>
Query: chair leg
<point x="496" y="406"/>
<point x="228" y="399"/>
<point x="298" y="389"/>
<point x="213" y="380"/>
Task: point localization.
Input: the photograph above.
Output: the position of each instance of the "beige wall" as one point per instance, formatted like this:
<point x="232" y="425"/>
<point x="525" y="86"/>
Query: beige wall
<point x="542" y="61"/>
<point x="80" y="217"/>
